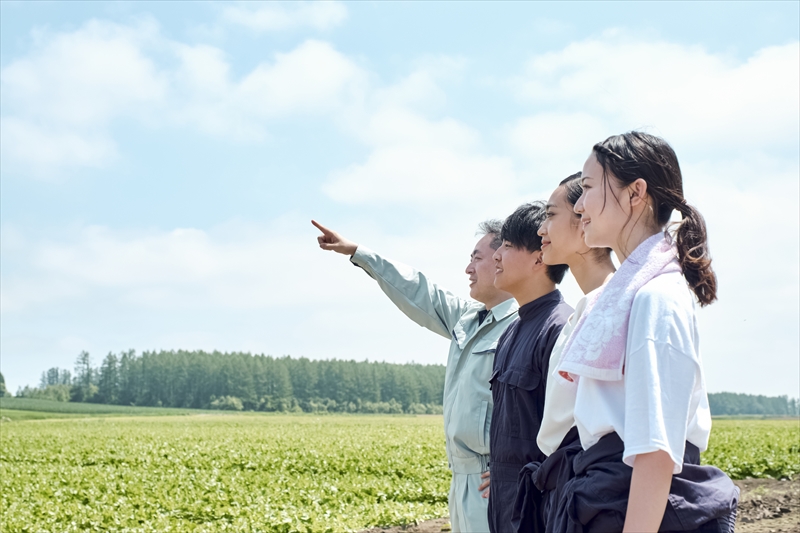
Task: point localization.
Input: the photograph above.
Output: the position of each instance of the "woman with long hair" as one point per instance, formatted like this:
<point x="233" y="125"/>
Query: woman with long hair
<point x="563" y="244"/>
<point x="641" y="407"/>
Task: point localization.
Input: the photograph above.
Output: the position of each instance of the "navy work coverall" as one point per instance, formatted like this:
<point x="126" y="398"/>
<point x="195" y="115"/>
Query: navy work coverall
<point x="518" y="384"/>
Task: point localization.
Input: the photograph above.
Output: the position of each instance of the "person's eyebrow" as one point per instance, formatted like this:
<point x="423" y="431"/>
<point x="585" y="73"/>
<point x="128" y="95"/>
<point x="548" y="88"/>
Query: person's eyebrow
<point x="549" y="206"/>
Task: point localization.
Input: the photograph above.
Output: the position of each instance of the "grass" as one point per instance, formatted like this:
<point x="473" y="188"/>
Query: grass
<point x="32" y="409"/>
<point x="15" y="415"/>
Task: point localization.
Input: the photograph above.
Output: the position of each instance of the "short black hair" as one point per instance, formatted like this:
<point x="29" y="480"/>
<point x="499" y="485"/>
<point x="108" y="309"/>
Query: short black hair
<point x="492" y="227"/>
<point x="521" y="229"/>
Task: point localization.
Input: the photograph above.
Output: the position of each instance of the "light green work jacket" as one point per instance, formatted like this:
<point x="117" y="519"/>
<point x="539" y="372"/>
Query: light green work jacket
<point x="467" y="398"/>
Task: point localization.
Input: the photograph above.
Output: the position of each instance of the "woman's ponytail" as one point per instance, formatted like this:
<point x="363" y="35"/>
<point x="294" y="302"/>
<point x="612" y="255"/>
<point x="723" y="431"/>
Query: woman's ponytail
<point x="692" y="243"/>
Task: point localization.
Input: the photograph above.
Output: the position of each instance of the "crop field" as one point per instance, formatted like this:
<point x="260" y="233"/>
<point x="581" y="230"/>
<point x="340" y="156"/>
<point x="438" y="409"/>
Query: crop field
<point x="755" y="448"/>
<point x="221" y="473"/>
<point x="237" y="472"/>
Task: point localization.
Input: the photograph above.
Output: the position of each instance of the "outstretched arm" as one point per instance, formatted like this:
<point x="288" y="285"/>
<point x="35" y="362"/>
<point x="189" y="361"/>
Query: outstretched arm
<point x="412" y="292"/>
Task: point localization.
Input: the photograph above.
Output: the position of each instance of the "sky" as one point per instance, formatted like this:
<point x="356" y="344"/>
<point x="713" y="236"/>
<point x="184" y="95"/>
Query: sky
<point x="160" y="163"/>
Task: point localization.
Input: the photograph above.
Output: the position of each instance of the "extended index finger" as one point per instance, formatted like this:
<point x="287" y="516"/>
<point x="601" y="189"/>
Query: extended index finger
<point x="322" y="228"/>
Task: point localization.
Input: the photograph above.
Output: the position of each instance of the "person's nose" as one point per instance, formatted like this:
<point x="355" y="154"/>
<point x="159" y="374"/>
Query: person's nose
<point x="470" y="268"/>
<point x="542" y="231"/>
<point x="578" y="207"/>
<point x="496" y="256"/>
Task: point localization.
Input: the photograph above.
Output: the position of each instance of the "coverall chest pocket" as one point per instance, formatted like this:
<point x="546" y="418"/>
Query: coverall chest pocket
<point x="521" y="399"/>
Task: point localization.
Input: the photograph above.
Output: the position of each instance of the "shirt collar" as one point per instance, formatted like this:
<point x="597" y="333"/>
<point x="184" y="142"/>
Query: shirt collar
<point x="531" y="309"/>
<point x="503" y="309"/>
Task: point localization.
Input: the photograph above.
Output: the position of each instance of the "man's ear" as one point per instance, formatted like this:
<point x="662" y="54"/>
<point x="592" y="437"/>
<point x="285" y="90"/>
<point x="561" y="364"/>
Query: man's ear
<point x="538" y="257"/>
<point x="637" y="192"/>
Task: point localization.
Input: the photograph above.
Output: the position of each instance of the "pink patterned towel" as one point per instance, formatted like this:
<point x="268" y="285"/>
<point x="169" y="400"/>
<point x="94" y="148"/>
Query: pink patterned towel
<point x="596" y="348"/>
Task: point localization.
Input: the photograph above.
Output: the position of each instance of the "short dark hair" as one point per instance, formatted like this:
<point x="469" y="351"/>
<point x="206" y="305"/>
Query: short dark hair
<point x="521" y="230"/>
<point x="492" y="226"/>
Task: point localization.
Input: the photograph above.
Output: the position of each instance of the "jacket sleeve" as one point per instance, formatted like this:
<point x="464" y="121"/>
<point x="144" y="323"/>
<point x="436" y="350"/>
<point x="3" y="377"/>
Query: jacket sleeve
<point x="421" y="300"/>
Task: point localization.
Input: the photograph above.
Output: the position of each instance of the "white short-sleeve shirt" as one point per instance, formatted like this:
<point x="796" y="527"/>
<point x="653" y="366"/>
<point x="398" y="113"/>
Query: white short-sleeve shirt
<point x="661" y="401"/>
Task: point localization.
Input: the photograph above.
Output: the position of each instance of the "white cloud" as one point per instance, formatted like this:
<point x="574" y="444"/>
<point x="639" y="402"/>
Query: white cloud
<point x="313" y="78"/>
<point x="63" y="99"/>
<point x="58" y="101"/>
<point x="40" y="148"/>
<point x="421" y="89"/>
<point x="273" y="16"/>
<point x="415" y="160"/>
<point x="85" y="77"/>
<point x="414" y="174"/>
<point x="554" y="145"/>
<point x="233" y="266"/>
<point x="708" y="100"/>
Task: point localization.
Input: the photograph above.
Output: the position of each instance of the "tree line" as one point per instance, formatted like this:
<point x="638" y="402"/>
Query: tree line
<point x="730" y="403"/>
<point x="241" y="381"/>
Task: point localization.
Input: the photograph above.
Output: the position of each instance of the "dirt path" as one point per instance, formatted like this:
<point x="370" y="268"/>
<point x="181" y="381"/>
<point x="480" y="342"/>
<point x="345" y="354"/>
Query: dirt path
<point x="765" y="506"/>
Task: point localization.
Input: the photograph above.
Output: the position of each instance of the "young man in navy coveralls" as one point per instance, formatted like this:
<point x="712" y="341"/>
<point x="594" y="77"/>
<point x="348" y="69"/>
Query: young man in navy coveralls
<point x="522" y="357"/>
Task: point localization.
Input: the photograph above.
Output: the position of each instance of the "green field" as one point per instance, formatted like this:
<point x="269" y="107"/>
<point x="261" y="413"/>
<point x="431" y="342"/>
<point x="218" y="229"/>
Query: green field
<point x="221" y="473"/>
<point x="755" y="448"/>
<point x="234" y="472"/>
<point x="13" y="407"/>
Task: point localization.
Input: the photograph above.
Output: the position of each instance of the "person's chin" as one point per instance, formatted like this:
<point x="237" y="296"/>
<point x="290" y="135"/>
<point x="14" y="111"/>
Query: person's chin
<point x="592" y="239"/>
<point x="593" y="242"/>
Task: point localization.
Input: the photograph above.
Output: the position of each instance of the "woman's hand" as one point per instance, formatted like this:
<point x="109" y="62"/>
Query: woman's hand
<point x="330" y="240"/>
<point x="652" y="477"/>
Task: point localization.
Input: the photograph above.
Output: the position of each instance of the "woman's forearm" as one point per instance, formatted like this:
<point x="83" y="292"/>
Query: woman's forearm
<point x="652" y="476"/>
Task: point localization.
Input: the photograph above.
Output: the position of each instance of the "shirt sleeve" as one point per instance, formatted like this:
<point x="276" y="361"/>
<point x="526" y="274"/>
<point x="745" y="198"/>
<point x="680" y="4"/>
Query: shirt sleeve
<point x="420" y="299"/>
<point x="660" y="375"/>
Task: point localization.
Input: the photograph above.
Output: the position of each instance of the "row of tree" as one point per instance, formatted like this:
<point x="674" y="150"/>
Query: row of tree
<point x="730" y="403"/>
<point x="198" y="379"/>
<point x="263" y="383"/>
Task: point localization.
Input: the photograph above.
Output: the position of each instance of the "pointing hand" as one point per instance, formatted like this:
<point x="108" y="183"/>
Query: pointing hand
<point x="330" y="240"/>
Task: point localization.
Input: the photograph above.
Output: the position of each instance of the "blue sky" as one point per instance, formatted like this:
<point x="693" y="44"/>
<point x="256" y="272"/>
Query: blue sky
<point x="160" y="163"/>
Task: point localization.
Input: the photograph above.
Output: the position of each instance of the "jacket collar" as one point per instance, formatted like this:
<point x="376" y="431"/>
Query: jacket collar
<point x="503" y="309"/>
<point x="496" y="314"/>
